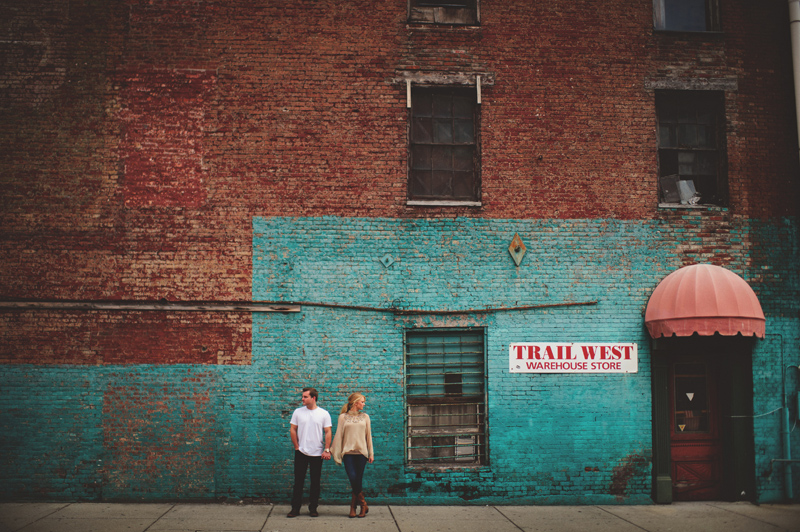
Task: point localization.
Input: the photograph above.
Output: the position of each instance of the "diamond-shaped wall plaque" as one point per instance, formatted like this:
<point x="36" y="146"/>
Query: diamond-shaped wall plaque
<point x="387" y="260"/>
<point x="517" y="249"/>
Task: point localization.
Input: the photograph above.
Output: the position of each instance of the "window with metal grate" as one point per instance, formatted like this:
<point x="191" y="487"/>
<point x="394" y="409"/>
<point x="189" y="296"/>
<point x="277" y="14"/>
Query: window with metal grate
<point x="444" y="146"/>
<point x="445" y="397"/>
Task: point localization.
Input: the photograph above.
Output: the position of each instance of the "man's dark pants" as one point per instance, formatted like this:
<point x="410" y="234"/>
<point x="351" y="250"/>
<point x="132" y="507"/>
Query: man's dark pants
<point x="301" y="463"/>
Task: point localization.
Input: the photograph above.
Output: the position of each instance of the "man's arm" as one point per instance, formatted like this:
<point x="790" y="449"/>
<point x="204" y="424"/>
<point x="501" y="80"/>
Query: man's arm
<point x="293" y="434"/>
<point x="327" y="455"/>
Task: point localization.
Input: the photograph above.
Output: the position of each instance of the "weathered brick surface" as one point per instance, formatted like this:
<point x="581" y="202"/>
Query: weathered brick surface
<point x="229" y="151"/>
<point x="546" y="431"/>
<point x="163" y="159"/>
<point x="159" y="434"/>
<point x="125" y="337"/>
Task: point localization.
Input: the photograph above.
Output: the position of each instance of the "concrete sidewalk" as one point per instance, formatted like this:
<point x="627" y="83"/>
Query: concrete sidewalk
<point x="679" y="517"/>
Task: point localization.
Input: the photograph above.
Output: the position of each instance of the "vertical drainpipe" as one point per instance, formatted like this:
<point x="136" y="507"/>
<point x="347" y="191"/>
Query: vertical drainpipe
<point x="786" y="435"/>
<point x="788" y="490"/>
<point x="794" y="25"/>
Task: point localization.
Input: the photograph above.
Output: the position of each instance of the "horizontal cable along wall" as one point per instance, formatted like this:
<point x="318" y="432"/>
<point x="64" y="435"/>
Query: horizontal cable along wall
<point x="445" y="395"/>
<point x="254" y="306"/>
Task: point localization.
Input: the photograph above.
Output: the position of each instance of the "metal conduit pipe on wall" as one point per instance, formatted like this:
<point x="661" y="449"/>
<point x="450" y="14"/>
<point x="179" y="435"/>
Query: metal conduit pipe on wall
<point x="786" y="441"/>
<point x="794" y="28"/>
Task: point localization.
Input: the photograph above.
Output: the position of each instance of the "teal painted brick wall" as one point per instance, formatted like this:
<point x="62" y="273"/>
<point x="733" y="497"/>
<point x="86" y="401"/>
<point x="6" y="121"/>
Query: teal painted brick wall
<point x="772" y="376"/>
<point x="145" y="432"/>
<point x="50" y="433"/>
<point x="775" y="259"/>
<point x="114" y="432"/>
<point x="549" y="434"/>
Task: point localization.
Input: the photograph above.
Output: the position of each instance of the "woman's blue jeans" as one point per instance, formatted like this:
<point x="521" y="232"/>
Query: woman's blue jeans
<point x="354" y="465"/>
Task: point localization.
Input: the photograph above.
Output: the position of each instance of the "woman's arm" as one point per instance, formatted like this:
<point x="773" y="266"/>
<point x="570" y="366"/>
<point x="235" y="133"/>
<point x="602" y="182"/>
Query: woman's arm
<point x="336" y="446"/>
<point x="371" y="457"/>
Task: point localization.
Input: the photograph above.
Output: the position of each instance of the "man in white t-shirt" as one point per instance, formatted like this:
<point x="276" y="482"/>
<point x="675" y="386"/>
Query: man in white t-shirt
<point x="309" y="424"/>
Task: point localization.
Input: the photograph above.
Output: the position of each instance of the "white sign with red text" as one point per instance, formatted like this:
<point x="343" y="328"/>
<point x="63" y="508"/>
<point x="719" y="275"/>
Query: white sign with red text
<point x="573" y="358"/>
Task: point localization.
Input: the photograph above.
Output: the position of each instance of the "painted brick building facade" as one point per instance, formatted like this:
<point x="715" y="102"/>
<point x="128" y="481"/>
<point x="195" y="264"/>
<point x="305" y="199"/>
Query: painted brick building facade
<point x="208" y="205"/>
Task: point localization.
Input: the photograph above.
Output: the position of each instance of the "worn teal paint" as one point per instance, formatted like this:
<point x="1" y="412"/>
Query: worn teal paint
<point x="160" y="432"/>
<point x="50" y="433"/>
<point x="549" y="434"/>
<point x="88" y="433"/>
<point x="772" y="376"/>
<point x="198" y="432"/>
<point x="443" y="263"/>
<point x="775" y="279"/>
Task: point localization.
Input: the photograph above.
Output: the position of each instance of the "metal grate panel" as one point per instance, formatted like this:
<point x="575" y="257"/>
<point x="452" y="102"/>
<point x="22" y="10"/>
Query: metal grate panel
<point x="445" y="382"/>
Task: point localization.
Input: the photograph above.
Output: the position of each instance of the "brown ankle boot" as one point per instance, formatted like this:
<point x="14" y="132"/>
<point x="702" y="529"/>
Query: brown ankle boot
<point x="363" y="502"/>
<point x="353" y="504"/>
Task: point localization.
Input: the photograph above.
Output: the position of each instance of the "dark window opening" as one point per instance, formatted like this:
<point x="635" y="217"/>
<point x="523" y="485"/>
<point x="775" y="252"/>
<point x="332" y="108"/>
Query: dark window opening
<point x="691" y="144"/>
<point x="444" y="145"/>
<point x="444" y="3"/>
<point x="445" y="398"/>
<point x="686" y="15"/>
<point x="456" y="12"/>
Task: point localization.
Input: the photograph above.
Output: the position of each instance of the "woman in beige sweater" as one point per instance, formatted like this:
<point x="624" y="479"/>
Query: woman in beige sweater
<point x="352" y="446"/>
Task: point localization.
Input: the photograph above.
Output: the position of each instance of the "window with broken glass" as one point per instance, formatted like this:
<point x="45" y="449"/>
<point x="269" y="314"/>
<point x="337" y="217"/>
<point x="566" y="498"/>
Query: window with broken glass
<point x="444" y="145"/>
<point x="459" y="12"/>
<point x="445" y="398"/>
<point x="691" y="142"/>
<point x="686" y="15"/>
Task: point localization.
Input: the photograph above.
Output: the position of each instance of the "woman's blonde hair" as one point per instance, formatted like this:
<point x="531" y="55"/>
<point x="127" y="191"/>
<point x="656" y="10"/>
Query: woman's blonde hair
<point x="350" y="400"/>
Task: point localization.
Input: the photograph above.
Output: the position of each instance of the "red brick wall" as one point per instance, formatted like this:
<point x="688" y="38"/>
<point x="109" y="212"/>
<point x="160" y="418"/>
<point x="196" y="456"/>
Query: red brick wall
<point x="125" y="337"/>
<point x="139" y="138"/>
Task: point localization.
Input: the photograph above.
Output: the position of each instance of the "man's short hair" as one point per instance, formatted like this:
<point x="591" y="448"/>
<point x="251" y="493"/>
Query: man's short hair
<point x="312" y="392"/>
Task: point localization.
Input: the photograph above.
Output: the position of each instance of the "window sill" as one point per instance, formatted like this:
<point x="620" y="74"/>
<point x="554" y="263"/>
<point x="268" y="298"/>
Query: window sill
<point x="447" y="467"/>
<point x="417" y="25"/>
<point x="442" y="203"/>
<point x="710" y="33"/>
<point x="695" y="207"/>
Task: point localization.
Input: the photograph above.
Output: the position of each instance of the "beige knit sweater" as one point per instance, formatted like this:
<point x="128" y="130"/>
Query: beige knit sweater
<point x="353" y="435"/>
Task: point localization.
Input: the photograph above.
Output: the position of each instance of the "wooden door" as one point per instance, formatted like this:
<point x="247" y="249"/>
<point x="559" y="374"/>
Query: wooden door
<point x="695" y="446"/>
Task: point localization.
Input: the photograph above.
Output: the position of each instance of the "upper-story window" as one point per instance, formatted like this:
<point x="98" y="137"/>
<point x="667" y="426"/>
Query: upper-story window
<point x="444" y="148"/>
<point x="464" y="12"/>
<point x="691" y="147"/>
<point x="686" y="15"/>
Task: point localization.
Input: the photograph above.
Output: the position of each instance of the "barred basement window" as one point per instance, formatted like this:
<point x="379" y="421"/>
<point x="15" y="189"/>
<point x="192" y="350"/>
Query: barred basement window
<point x="686" y="15"/>
<point x="444" y="145"/>
<point x="445" y="397"/>
<point x="463" y="12"/>
<point x="691" y="147"/>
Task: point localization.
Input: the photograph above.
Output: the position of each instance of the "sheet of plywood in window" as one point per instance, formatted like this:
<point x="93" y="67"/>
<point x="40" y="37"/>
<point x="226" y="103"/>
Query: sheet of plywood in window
<point x="444" y="15"/>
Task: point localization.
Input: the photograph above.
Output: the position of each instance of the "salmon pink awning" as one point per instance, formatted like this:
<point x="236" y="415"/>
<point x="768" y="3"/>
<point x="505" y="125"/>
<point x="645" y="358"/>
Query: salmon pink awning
<point x="704" y="299"/>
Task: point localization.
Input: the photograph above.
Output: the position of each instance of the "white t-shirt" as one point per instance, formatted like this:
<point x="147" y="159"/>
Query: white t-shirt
<point x="310" y="433"/>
